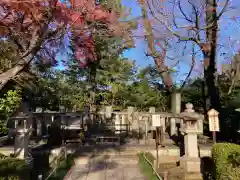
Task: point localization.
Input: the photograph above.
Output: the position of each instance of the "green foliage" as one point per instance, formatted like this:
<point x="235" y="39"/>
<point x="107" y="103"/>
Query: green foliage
<point x="8" y="105"/>
<point x="226" y="159"/>
<point x="113" y="80"/>
<point x="13" y="169"/>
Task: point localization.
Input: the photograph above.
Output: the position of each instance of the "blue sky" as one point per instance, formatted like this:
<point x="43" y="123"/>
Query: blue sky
<point x="229" y="37"/>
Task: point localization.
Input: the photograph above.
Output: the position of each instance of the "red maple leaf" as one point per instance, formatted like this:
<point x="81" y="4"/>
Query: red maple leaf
<point x="37" y="27"/>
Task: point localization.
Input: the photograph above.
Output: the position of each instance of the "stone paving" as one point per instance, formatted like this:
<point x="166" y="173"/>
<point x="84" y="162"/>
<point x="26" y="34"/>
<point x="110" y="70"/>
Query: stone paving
<point x="116" y="167"/>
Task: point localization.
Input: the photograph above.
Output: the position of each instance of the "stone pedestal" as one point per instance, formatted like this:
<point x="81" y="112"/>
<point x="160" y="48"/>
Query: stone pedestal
<point x="191" y="161"/>
<point x="190" y="164"/>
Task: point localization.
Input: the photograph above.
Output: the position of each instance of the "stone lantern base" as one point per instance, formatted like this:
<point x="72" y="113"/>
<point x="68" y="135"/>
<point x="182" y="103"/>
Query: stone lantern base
<point x="190" y="164"/>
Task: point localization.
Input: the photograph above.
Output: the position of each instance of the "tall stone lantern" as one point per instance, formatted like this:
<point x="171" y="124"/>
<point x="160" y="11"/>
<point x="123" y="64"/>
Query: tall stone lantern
<point x="23" y="131"/>
<point x="191" y="128"/>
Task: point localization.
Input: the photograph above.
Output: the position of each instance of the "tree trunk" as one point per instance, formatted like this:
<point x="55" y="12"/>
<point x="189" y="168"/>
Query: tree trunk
<point x="209" y="52"/>
<point x="158" y="58"/>
<point x="12" y="73"/>
<point x="8" y="75"/>
<point x="92" y="83"/>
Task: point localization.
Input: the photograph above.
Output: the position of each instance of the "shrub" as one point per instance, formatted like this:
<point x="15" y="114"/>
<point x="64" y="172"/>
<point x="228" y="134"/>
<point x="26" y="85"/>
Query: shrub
<point x="226" y="159"/>
<point x="8" y="105"/>
<point x="13" y="169"/>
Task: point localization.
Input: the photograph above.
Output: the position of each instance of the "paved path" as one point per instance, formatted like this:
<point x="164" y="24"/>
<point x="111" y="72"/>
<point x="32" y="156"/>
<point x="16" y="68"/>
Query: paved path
<point x="117" y="167"/>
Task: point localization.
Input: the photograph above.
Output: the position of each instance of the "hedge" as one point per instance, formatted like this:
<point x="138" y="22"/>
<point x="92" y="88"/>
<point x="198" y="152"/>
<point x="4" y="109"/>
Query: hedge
<point x="226" y="157"/>
<point x="13" y="169"/>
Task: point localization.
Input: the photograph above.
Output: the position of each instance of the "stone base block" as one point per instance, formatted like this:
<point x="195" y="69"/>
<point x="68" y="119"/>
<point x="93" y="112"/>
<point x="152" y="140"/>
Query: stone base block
<point x="190" y="165"/>
<point x="193" y="176"/>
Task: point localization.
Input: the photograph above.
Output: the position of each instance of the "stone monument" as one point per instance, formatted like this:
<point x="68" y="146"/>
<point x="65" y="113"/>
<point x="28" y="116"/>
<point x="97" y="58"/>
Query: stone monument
<point x="175" y="109"/>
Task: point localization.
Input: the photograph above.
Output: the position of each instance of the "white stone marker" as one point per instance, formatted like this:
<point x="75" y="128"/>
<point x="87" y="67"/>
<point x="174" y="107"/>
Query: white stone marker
<point x="108" y="111"/>
<point x="117" y="124"/>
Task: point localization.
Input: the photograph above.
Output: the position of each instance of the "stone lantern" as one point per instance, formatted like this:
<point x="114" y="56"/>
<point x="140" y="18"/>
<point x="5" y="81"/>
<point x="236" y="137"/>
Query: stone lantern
<point x="23" y="132"/>
<point x="191" y="161"/>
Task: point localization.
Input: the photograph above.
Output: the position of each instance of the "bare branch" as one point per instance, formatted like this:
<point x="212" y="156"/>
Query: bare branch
<point x="191" y="68"/>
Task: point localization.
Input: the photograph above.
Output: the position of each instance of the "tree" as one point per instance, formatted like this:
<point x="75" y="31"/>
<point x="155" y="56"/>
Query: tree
<point x="159" y="57"/>
<point x="201" y="18"/>
<point x="104" y="78"/>
<point x="38" y="29"/>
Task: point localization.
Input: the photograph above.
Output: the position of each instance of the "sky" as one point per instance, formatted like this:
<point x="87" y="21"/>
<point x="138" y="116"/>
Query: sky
<point x="229" y="35"/>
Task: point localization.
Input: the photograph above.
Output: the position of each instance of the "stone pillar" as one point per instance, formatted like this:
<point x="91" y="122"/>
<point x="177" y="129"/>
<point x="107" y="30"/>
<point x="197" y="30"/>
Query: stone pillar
<point x="130" y="111"/>
<point x="124" y="124"/>
<point x="181" y="125"/>
<point x="108" y="111"/>
<point x="15" y="123"/>
<point x="175" y="108"/>
<point x="30" y="121"/>
<point x="39" y="127"/>
<point x="86" y="115"/>
<point x="146" y="131"/>
<point x="190" y="145"/>
<point x="117" y="124"/>
<point x="163" y="123"/>
<point x="173" y="126"/>
<point x="152" y="109"/>
<point x="52" y="118"/>
<point x="200" y="125"/>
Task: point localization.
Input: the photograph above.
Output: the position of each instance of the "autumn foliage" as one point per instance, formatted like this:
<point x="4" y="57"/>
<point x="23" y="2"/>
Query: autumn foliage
<point x="31" y="24"/>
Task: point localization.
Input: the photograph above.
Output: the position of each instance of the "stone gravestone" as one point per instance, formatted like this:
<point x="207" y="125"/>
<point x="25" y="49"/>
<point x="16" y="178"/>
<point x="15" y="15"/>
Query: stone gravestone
<point x="159" y="123"/>
<point x="175" y="109"/>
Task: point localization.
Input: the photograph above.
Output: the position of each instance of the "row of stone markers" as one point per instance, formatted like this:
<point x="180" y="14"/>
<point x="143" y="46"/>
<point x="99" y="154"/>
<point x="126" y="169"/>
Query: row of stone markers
<point x="141" y="121"/>
<point x="191" y="124"/>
